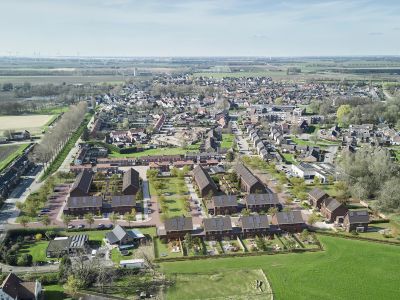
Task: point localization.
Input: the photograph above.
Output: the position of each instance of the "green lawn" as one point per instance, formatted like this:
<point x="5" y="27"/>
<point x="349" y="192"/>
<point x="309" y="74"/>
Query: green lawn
<point x="362" y="270"/>
<point x="238" y="284"/>
<point x="9" y="153"/>
<point x="227" y="140"/>
<point x="172" y="189"/>
<point x="36" y="249"/>
<point x="164" y="250"/>
<point x="54" y="292"/>
<point x="158" y="151"/>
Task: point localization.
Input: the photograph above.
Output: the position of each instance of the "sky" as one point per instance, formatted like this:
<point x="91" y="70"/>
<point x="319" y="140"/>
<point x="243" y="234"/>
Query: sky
<point x="199" y="28"/>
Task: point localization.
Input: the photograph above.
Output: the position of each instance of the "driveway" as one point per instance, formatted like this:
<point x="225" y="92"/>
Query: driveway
<point x="242" y="143"/>
<point x="195" y="204"/>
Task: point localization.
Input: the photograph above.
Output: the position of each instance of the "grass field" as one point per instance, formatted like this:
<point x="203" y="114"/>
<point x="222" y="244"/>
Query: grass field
<point x="239" y="284"/>
<point x="227" y="141"/>
<point x="175" y="190"/>
<point x="61" y="79"/>
<point x="159" y="151"/>
<point x="362" y="270"/>
<point x="9" y="152"/>
<point x="54" y="292"/>
<point x="32" y="123"/>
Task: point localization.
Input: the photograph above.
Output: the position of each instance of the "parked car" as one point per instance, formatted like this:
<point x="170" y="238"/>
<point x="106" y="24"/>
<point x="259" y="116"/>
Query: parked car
<point x="101" y="226"/>
<point x="80" y="226"/>
<point x="109" y="226"/>
<point x="71" y="226"/>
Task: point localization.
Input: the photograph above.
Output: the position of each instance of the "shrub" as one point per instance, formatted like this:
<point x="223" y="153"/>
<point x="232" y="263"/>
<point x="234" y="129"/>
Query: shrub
<point x="38" y="236"/>
<point x="11" y="259"/>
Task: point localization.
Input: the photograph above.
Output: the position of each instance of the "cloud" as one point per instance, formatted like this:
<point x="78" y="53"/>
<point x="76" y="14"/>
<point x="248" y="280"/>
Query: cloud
<point x="376" y="33"/>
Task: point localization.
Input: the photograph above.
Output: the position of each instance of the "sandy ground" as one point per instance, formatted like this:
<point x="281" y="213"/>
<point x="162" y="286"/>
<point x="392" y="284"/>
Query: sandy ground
<point x="23" y="122"/>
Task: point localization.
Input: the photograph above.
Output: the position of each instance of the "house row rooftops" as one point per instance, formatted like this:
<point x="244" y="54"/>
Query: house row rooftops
<point x="202" y="178"/>
<point x="246" y="175"/>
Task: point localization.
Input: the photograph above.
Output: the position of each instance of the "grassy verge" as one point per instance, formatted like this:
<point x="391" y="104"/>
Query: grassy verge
<point x="57" y="162"/>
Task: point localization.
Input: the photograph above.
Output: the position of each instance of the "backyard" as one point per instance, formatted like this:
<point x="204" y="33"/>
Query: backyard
<point x="159" y="151"/>
<point x="355" y="266"/>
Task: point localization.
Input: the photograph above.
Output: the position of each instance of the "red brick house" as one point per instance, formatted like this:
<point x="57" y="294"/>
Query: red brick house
<point x="175" y="228"/>
<point x="262" y="202"/>
<point x="222" y="205"/>
<point x="218" y="228"/>
<point x="356" y="220"/>
<point x="331" y="209"/>
<point x="254" y="225"/>
<point x="316" y="196"/>
<point x="248" y="182"/>
<point x="204" y="182"/>
<point x="291" y="221"/>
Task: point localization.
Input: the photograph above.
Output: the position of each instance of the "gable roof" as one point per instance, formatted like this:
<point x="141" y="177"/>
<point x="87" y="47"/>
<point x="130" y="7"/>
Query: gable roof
<point x="87" y="201"/>
<point x="124" y="200"/>
<point x="224" y="201"/>
<point x="332" y="204"/>
<point x="178" y="224"/>
<point x="290" y="217"/>
<point x="317" y="194"/>
<point x="246" y="175"/>
<point x="217" y="224"/>
<point x="83" y="182"/>
<point x="16" y="288"/>
<point x="130" y="178"/>
<point x="254" y="222"/>
<point x="262" y="199"/>
<point x="202" y="178"/>
<point x="358" y="216"/>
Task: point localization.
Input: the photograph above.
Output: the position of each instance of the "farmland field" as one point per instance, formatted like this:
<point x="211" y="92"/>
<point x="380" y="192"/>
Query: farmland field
<point x="32" y="123"/>
<point x="240" y="284"/>
<point x="9" y="152"/>
<point x="362" y="270"/>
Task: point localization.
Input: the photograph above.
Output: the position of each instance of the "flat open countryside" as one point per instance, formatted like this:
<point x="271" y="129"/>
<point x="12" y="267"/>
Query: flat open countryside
<point x="29" y="122"/>
<point x="347" y="269"/>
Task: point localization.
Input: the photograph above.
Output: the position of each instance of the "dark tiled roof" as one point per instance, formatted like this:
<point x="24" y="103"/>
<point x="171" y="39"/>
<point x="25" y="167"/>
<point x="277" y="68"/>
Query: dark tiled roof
<point x="88" y="201"/>
<point x="117" y="234"/>
<point x="125" y="200"/>
<point x="130" y="178"/>
<point x="224" y="201"/>
<point x="178" y="224"/>
<point x="217" y="224"/>
<point x="358" y="216"/>
<point x="83" y="182"/>
<point x="246" y="175"/>
<point x="291" y="217"/>
<point x="202" y="178"/>
<point x="317" y="194"/>
<point x="16" y="288"/>
<point x="262" y="199"/>
<point x="255" y="222"/>
<point x="331" y="204"/>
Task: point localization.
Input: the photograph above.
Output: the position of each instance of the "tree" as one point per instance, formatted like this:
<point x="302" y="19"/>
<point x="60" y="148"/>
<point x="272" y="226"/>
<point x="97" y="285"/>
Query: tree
<point x="174" y="172"/>
<point x="130" y="217"/>
<point x="66" y="219"/>
<point x="24" y="220"/>
<point x="312" y="219"/>
<point x="187" y="205"/>
<point x="246" y="212"/>
<point x="114" y="217"/>
<point x="89" y="219"/>
<point x="229" y="156"/>
<point x="72" y="285"/>
<point x="389" y="196"/>
<point x="342" y="113"/>
<point x="188" y="241"/>
<point x="272" y="211"/>
<point x="45" y="219"/>
<point x="260" y="242"/>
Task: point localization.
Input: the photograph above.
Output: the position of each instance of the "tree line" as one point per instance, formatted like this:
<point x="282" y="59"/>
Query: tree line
<point x="56" y="138"/>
